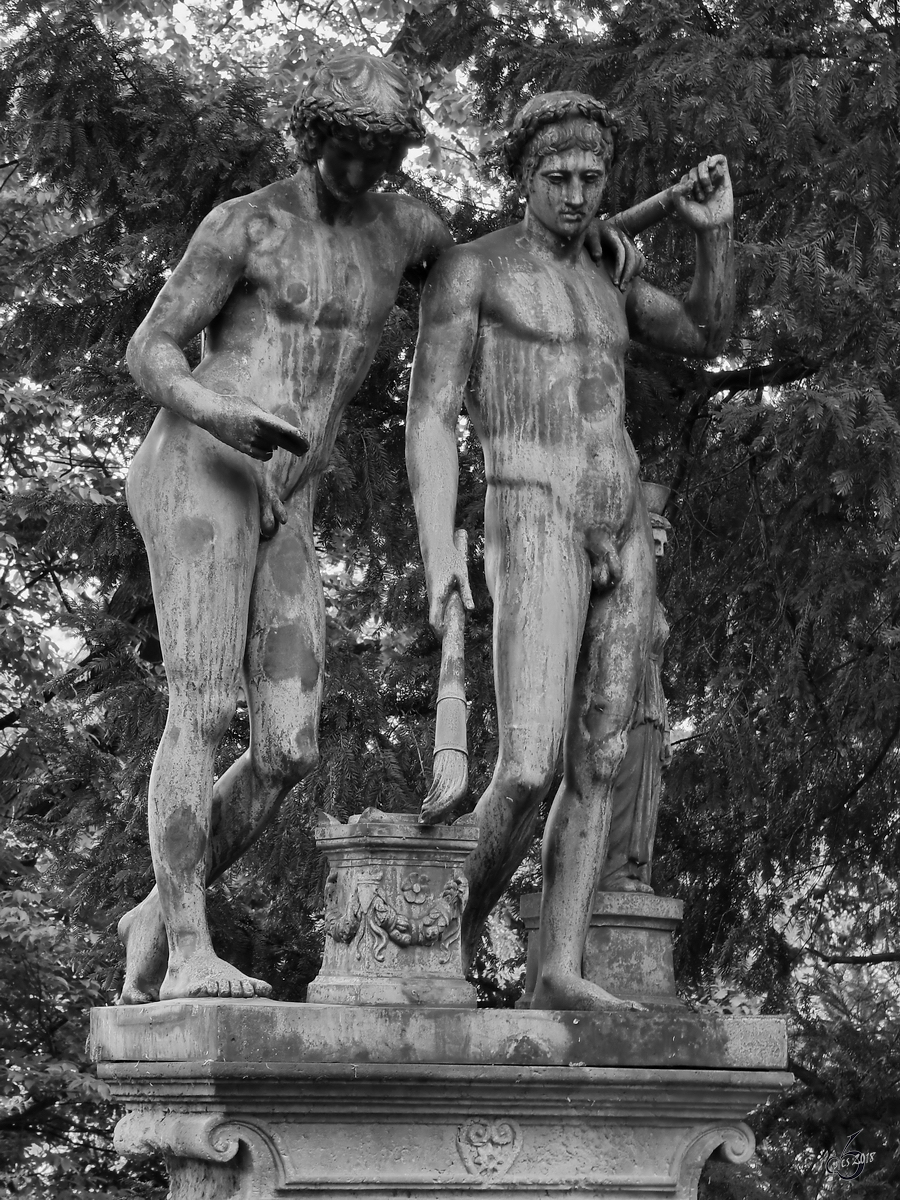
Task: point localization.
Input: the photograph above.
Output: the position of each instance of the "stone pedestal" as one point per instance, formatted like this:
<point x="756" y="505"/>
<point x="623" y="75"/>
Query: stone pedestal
<point x="253" y="1100"/>
<point x="393" y="902"/>
<point x="628" y="947"/>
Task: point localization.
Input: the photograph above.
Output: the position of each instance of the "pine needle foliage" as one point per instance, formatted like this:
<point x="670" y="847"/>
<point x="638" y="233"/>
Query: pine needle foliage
<point x="779" y="827"/>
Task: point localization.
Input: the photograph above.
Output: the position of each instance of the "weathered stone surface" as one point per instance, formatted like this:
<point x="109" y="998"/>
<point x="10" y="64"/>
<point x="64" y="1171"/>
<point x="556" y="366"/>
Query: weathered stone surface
<point x="253" y="1100"/>
<point x="336" y="1130"/>
<point x="393" y="903"/>
<point x="255" y="1031"/>
<point x="628" y="947"/>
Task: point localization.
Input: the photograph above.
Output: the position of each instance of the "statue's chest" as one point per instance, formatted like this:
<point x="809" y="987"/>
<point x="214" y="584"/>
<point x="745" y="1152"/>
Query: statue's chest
<point x="560" y="306"/>
<point x="322" y="277"/>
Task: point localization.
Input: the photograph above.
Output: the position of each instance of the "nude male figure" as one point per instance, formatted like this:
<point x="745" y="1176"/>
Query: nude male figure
<point x="292" y="285"/>
<point x="531" y="333"/>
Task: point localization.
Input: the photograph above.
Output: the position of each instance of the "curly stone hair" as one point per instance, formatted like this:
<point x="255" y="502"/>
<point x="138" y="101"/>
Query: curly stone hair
<point x="357" y="96"/>
<point x="554" y="122"/>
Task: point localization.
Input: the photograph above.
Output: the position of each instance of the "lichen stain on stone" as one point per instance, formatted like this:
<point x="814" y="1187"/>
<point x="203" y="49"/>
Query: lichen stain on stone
<point x="287" y="655"/>
<point x="592" y="395"/>
<point x="185" y="840"/>
<point x="287" y="567"/>
<point x="194" y="533"/>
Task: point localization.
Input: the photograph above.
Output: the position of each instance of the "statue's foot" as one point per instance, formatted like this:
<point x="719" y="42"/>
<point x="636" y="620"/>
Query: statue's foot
<point x="625" y="883"/>
<point x="205" y="974"/>
<point x="571" y="992"/>
<point x="143" y="934"/>
<point x="626" y="878"/>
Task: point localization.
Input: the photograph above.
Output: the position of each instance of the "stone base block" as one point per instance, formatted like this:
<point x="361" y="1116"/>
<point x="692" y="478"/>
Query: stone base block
<point x="627" y="949"/>
<point x="255" y="1100"/>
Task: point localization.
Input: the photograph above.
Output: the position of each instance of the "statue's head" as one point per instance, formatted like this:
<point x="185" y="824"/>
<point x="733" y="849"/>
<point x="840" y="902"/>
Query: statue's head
<point x="355" y="119"/>
<point x="559" y="150"/>
<point x="554" y="123"/>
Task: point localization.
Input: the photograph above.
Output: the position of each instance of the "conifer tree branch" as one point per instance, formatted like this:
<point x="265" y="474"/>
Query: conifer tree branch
<point x="746" y="379"/>
<point x="869" y="773"/>
<point x="13" y="164"/>
<point x="856" y="959"/>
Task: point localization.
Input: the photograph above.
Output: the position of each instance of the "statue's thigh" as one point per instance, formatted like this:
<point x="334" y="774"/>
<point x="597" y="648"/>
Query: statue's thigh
<point x="285" y="656"/>
<point x="201" y="531"/>
<point x="616" y="639"/>
<point x="541" y="585"/>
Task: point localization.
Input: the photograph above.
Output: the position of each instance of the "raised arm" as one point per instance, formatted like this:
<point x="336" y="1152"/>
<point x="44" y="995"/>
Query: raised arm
<point x="448" y="326"/>
<point x="701" y="323"/>
<point x="192" y="297"/>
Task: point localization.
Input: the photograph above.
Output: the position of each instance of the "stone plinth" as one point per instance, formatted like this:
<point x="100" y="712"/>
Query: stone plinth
<point x="628" y="947"/>
<point x="253" y="1100"/>
<point x="393" y="902"/>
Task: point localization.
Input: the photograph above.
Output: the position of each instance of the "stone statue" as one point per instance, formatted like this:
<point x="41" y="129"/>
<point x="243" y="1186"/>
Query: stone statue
<point x="292" y="285"/>
<point x="525" y="327"/>
<point x="638" y="786"/>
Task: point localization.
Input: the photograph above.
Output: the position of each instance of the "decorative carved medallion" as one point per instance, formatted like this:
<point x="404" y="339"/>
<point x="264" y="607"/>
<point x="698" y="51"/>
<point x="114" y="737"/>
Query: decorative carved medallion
<point x="488" y="1148"/>
<point x="371" y="918"/>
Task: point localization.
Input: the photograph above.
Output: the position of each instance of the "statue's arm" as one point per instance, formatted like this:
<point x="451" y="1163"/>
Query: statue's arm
<point x="448" y="327"/>
<point x="432" y="239"/>
<point x="192" y="297"/>
<point x="701" y="323"/>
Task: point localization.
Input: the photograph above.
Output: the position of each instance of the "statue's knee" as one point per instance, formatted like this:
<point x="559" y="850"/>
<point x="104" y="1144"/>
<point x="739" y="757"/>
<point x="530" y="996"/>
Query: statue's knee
<point x="208" y="714"/>
<point x="525" y="782"/>
<point x="287" y="765"/>
<point x="607" y="755"/>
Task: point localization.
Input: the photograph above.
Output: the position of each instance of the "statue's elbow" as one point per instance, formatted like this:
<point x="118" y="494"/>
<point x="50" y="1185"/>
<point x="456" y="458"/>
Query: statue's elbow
<point x="134" y="355"/>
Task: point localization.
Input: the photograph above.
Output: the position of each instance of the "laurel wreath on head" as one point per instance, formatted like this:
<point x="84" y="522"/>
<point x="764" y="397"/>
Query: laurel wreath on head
<point x="556" y="110"/>
<point x="346" y="118"/>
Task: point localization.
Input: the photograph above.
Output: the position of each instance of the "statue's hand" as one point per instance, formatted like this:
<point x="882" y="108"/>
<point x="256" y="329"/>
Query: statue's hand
<point x="240" y="423"/>
<point x="447" y="573"/>
<point x="704" y="199"/>
<point x="604" y="238"/>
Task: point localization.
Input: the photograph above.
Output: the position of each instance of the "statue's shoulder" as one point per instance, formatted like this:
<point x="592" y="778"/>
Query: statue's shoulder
<point x="245" y="218"/>
<point x="412" y="217"/>
<point x="483" y="256"/>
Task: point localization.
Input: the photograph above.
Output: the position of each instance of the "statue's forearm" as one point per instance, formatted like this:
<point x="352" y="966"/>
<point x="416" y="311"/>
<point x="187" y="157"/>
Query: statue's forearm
<point x="710" y="301"/>
<point x="159" y="367"/>
<point x="433" y="466"/>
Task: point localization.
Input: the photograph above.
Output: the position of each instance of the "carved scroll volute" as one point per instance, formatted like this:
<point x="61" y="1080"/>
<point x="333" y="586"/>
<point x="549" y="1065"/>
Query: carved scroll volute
<point x="187" y="1135"/>
<point x="735" y="1142"/>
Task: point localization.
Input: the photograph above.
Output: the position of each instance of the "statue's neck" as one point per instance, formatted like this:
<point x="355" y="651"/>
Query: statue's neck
<point x="317" y="198"/>
<point x="549" y="244"/>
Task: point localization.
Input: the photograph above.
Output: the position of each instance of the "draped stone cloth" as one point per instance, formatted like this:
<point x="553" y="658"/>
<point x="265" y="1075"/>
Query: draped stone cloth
<point x="635" y="801"/>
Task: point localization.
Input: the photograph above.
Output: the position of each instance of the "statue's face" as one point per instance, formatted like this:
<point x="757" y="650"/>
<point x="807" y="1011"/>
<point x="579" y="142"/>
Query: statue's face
<point x="660" y="541"/>
<point x="565" y="191"/>
<point x="348" y="170"/>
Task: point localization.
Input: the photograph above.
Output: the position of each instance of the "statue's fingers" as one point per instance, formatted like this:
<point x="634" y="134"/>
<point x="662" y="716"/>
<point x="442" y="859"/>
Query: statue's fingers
<point x="634" y="262"/>
<point x="436" y="616"/>
<point x="621" y="262"/>
<point x="288" y="438"/>
<point x="465" y="590"/>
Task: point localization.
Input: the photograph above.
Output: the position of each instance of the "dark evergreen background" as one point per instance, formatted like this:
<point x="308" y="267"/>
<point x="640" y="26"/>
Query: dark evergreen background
<point x="779" y="827"/>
